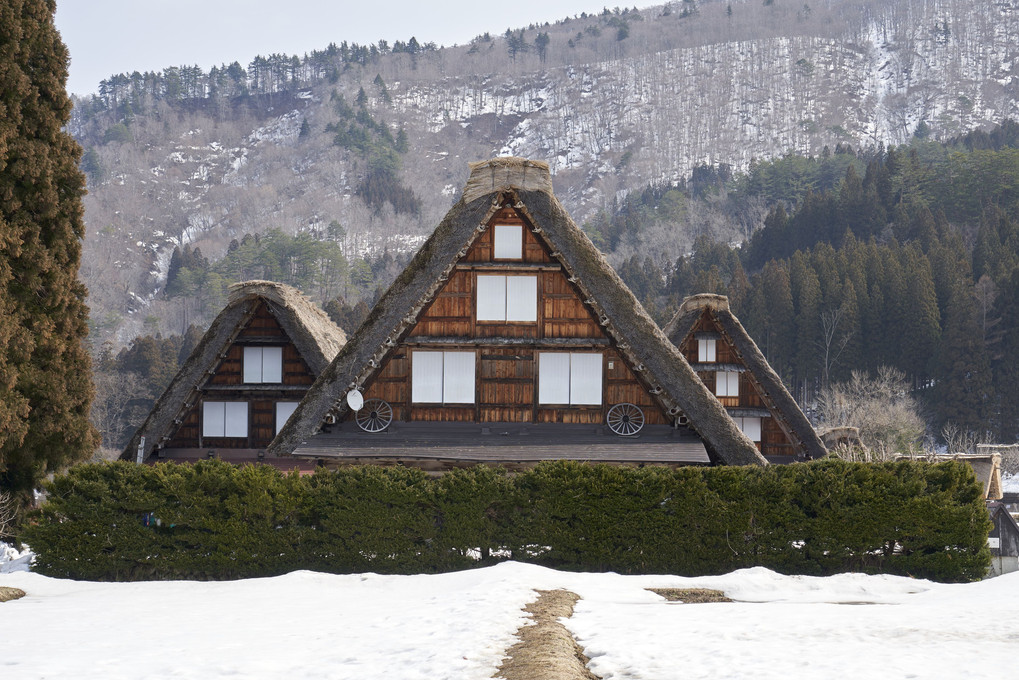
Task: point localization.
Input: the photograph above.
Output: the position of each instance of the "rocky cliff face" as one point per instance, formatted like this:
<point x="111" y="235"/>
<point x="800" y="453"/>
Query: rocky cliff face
<point x="614" y="102"/>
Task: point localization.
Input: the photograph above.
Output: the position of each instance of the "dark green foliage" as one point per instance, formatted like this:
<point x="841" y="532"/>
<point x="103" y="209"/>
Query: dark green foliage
<point x="45" y="391"/>
<point x="213" y="520"/>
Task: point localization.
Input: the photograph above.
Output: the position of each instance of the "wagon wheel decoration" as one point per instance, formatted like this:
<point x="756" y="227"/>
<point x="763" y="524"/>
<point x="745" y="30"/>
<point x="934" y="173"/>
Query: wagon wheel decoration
<point x="374" y="416"/>
<point x="625" y="419"/>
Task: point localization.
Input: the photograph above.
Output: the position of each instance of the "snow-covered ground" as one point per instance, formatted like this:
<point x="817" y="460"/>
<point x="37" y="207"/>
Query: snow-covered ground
<point x="458" y="625"/>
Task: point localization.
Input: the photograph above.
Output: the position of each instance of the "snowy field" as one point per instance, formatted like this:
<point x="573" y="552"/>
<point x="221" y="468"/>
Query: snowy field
<point x="366" y="626"/>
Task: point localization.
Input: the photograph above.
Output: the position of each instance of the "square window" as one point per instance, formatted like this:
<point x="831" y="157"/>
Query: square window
<point x="225" y="419"/>
<point x="263" y="364"/>
<point x="509" y="242"/>
<point x="507" y="298"/>
<point x="442" y="377"/>
<point x="570" y="378"/>
<point x="727" y="384"/>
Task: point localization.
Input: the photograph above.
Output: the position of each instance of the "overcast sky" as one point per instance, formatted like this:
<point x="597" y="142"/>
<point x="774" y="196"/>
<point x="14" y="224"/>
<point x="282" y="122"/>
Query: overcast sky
<point x="120" y="36"/>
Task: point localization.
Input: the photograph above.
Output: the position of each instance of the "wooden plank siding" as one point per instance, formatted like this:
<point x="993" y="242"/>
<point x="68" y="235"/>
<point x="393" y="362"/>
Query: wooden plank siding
<point x="506" y="353"/>
<point x="774" y="440"/>
<point x="227" y="384"/>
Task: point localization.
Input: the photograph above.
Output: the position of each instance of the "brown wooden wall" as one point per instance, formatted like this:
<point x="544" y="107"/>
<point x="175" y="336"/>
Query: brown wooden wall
<point x="506" y="376"/>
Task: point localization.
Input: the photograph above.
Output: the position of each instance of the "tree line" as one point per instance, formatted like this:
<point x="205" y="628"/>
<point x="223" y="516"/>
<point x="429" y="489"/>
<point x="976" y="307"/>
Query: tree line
<point x="909" y="260"/>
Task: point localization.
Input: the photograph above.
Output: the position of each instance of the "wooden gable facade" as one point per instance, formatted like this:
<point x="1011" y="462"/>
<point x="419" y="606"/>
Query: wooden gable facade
<point x="260" y="399"/>
<point x="733" y="368"/>
<point x="508" y="339"/>
<point x="243" y="380"/>
<point x="550" y="325"/>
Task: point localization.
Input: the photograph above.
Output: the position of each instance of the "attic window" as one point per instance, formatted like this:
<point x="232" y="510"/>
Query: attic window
<point x="263" y="364"/>
<point x="509" y="242"/>
<point x="442" y="377"/>
<point x="570" y="378"/>
<point x="225" y="419"/>
<point x="507" y="298"/>
<point x="706" y="350"/>
<point x="727" y="384"/>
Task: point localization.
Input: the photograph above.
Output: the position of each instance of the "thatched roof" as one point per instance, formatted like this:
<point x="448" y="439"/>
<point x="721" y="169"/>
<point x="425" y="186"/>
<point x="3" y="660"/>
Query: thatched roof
<point x="528" y="186"/>
<point x="313" y="333"/>
<point x="777" y="398"/>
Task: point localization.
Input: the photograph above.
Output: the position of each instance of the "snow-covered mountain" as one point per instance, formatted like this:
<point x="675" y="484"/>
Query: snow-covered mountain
<point x="616" y="100"/>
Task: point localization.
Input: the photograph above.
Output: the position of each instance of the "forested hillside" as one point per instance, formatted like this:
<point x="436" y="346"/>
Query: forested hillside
<point x="833" y="166"/>
<point x="909" y="260"/>
<point x="367" y="145"/>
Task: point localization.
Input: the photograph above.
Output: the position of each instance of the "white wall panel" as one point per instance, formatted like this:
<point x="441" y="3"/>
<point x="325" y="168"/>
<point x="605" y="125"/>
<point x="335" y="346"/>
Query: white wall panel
<point x="585" y="379"/>
<point x="491" y="298"/>
<point x="458" y="378"/>
<point x="236" y="419"/>
<point x="252" y="364"/>
<point x="553" y="378"/>
<point x="213" y="418"/>
<point x="272" y="364"/>
<point x="521" y="298"/>
<point x="426" y="377"/>
<point x="284" y="409"/>
<point x="509" y="242"/>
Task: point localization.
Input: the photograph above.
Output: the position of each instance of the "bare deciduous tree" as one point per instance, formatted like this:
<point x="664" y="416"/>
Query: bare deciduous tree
<point x="8" y="512"/>
<point x="881" y="407"/>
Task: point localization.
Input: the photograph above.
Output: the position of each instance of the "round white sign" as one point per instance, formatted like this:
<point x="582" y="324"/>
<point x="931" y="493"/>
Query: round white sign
<point x="355" y="400"/>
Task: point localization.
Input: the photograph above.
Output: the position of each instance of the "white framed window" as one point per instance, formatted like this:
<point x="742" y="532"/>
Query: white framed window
<point x="751" y="428"/>
<point x="573" y="378"/>
<point x="507" y="298"/>
<point x="263" y="364"/>
<point x="706" y="350"/>
<point x="225" y="419"/>
<point x="509" y="242"/>
<point x="442" y="377"/>
<point x="727" y="384"/>
<point x="284" y="409"/>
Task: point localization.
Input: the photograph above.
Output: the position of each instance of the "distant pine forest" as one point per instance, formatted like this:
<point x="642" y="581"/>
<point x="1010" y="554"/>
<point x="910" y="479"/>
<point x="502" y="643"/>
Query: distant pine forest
<point x="904" y="257"/>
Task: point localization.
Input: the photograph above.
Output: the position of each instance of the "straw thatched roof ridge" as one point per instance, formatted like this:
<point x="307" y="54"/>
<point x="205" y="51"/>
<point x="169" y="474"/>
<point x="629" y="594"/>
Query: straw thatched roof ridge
<point x="774" y="392"/>
<point x="317" y="337"/>
<point x="314" y="334"/>
<point x="637" y="336"/>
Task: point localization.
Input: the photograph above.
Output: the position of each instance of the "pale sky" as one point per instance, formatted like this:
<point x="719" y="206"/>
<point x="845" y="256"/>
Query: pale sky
<point x="106" y="37"/>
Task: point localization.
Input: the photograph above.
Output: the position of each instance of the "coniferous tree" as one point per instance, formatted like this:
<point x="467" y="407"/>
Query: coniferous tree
<point x="45" y="391"/>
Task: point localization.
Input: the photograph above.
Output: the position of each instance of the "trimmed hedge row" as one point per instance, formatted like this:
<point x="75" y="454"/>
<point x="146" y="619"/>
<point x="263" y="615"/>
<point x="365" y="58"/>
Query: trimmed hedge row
<point x="212" y="520"/>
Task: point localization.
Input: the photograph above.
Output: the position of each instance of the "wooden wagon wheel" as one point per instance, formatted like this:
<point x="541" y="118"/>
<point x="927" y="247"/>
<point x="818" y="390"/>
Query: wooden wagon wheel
<point x="625" y="419"/>
<point x="374" y="416"/>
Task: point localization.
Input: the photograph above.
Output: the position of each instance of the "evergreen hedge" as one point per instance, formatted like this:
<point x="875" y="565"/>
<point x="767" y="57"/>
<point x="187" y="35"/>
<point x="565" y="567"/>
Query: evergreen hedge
<point x="212" y="520"/>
